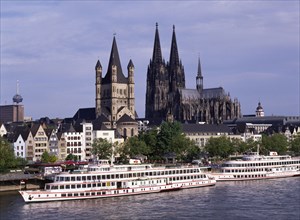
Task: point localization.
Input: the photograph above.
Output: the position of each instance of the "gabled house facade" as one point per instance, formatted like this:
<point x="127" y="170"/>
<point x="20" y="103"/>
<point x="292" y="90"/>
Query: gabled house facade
<point x="41" y="141"/>
<point x="20" y="146"/>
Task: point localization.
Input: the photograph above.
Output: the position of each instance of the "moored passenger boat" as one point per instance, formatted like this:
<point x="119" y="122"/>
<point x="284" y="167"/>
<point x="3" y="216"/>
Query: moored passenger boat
<point x="255" y="166"/>
<point x="103" y="180"/>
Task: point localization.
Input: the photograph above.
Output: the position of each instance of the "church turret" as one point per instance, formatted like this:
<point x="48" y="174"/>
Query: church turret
<point x="131" y="99"/>
<point x="199" y="78"/>
<point x="98" y="69"/>
<point x="260" y="111"/>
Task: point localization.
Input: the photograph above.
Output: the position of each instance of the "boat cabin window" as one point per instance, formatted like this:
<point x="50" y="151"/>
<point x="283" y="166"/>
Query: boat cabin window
<point x="83" y="178"/>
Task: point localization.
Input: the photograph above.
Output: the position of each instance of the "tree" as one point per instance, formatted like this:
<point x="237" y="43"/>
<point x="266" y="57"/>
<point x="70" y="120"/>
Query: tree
<point x="295" y="145"/>
<point x="219" y="147"/>
<point x="134" y="146"/>
<point x="169" y="131"/>
<point x="185" y="149"/>
<point x="275" y="142"/>
<point x="150" y="139"/>
<point x="102" y="148"/>
<point x="48" y="158"/>
<point x="7" y="157"/>
<point x="71" y="157"/>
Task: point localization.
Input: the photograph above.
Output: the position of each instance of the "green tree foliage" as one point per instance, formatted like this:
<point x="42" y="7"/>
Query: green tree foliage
<point x="150" y="139"/>
<point x="7" y="157"/>
<point x="166" y="136"/>
<point x="102" y="148"/>
<point x="135" y="146"/>
<point x="157" y="142"/>
<point x="185" y="149"/>
<point x="219" y="147"/>
<point x="48" y="158"/>
<point x="8" y="160"/>
<point x="71" y="157"/>
<point x="275" y="142"/>
<point x="295" y="145"/>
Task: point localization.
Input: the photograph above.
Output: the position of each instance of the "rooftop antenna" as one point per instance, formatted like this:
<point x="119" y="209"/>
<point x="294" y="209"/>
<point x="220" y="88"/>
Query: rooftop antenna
<point x="17" y="86"/>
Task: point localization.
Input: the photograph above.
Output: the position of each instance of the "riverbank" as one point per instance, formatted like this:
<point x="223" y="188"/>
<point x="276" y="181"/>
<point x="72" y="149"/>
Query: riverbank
<point x="19" y="181"/>
<point x="6" y="188"/>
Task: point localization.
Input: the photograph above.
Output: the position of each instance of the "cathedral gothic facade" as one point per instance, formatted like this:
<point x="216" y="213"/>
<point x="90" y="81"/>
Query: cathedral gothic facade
<point x="168" y="99"/>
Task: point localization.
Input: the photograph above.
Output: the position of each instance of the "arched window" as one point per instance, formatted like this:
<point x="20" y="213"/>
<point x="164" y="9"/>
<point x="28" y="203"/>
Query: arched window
<point x="132" y="132"/>
<point x="125" y="132"/>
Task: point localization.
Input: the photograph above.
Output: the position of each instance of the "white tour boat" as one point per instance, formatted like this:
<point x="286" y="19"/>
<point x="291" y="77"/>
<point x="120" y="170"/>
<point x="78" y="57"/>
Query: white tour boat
<point x="255" y="166"/>
<point x="104" y="180"/>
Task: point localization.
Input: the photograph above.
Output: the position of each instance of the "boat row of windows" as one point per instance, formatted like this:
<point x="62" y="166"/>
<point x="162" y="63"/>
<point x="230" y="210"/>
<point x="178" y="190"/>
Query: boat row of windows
<point x="258" y="170"/>
<point x="250" y="176"/>
<point x="112" y="184"/>
<point x="82" y="194"/>
<point x="243" y="170"/>
<point x="79" y="186"/>
<point x="121" y="176"/>
<point x="261" y="164"/>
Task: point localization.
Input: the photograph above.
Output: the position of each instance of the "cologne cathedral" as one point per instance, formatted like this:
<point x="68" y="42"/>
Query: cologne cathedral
<point x="168" y="99"/>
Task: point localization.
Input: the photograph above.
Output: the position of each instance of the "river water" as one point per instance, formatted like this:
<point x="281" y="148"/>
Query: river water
<point x="256" y="199"/>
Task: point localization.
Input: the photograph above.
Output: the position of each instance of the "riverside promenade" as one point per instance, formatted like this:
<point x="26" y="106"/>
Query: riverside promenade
<point x="17" y="180"/>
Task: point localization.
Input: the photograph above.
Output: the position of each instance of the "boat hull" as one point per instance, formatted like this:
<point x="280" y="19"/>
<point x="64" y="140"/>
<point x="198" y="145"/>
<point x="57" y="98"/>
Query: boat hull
<point x="47" y="196"/>
<point x="252" y="176"/>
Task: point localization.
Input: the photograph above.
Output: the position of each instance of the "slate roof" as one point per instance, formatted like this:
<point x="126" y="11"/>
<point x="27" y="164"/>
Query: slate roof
<point x="34" y="129"/>
<point x="98" y="124"/>
<point x="67" y="128"/>
<point x="114" y="60"/>
<point x="205" y="128"/>
<point x="88" y="114"/>
<point x="274" y="120"/>
<point x="189" y="94"/>
<point x="20" y="130"/>
<point x="213" y="93"/>
<point x="126" y="118"/>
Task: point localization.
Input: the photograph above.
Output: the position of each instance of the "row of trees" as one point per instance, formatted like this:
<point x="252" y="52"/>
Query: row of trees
<point x="156" y="144"/>
<point x="169" y="139"/>
<point x="222" y="147"/>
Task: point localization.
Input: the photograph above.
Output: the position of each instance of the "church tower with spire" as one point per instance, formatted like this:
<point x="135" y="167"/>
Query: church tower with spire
<point x="114" y="92"/>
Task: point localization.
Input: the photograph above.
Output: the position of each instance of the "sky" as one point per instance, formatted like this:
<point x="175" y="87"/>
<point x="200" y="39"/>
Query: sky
<point x="250" y="48"/>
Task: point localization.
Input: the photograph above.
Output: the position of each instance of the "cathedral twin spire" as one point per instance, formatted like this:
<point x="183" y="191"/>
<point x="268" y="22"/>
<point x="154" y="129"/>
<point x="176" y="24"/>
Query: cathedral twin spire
<point x="157" y="55"/>
<point x="163" y="80"/>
